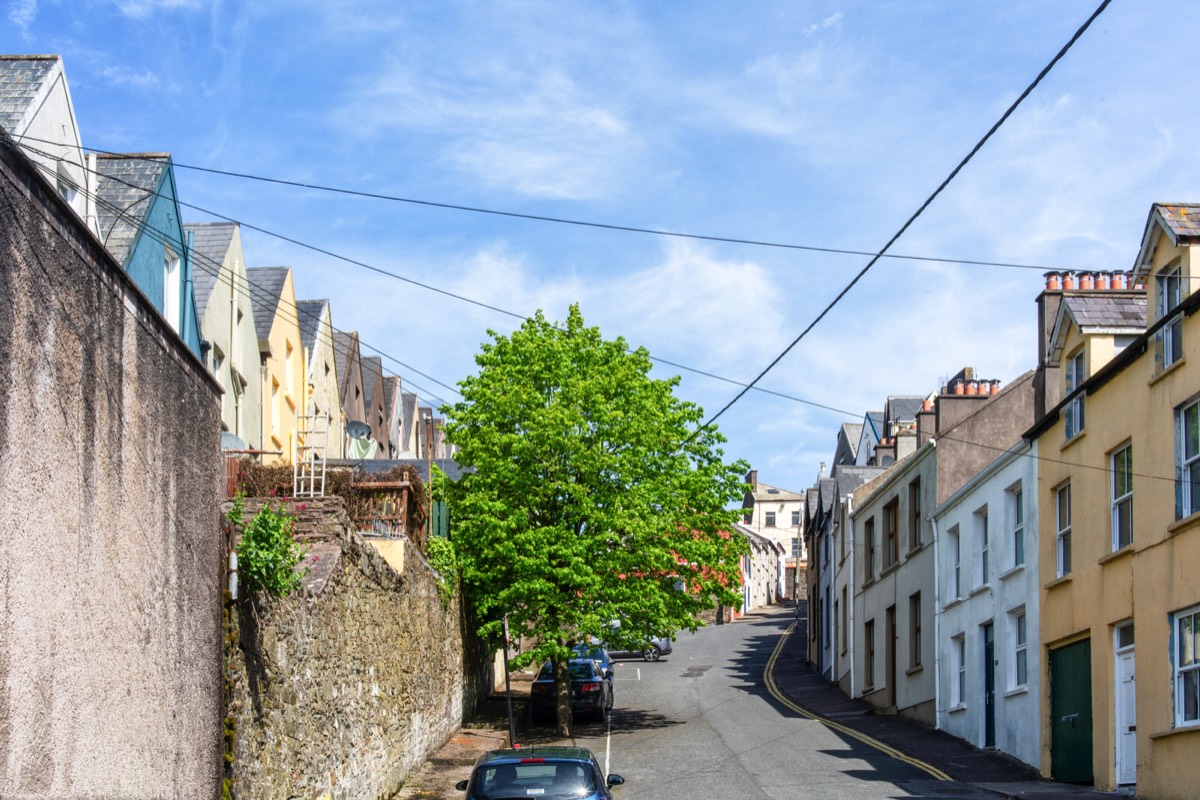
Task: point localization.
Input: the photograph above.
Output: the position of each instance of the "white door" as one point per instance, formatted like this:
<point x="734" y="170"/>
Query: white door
<point x="1126" y="704"/>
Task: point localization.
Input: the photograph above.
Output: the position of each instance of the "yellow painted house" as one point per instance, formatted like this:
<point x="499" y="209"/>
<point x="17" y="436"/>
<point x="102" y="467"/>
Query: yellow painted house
<point x="281" y="359"/>
<point x="1119" y="518"/>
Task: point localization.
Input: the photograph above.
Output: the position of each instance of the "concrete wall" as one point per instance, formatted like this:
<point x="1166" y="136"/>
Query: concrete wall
<point x="110" y="551"/>
<point x="343" y="690"/>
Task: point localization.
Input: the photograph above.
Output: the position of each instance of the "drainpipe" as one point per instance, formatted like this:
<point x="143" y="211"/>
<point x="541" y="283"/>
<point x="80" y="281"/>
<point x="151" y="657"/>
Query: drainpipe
<point x="937" y="622"/>
<point x="853" y="590"/>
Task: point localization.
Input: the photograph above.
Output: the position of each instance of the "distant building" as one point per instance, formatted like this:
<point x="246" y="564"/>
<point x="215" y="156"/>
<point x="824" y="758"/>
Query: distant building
<point x="778" y="515"/>
<point x="281" y="357"/>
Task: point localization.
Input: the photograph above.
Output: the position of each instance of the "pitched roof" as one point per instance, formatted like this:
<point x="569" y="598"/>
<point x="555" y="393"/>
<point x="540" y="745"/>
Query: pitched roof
<point x="126" y="187"/>
<point x="903" y="408"/>
<point x="767" y="492"/>
<point x="21" y="79"/>
<point x="310" y="313"/>
<point x="391" y="386"/>
<point x="210" y="244"/>
<point x="266" y="288"/>
<point x="343" y="342"/>
<point x="1107" y="309"/>
<point x="372" y="381"/>
<point x="851" y="477"/>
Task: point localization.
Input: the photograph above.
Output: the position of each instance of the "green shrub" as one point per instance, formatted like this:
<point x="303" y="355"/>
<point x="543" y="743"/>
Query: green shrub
<point x="440" y="555"/>
<point x="268" y="554"/>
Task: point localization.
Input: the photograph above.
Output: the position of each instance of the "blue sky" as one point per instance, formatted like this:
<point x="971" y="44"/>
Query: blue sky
<point x="814" y="123"/>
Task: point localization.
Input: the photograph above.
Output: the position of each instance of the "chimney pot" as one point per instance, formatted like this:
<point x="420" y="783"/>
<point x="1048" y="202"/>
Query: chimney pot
<point x="1118" y="280"/>
<point x="1086" y="281"/>
<point x="995" y="387"/>
<point x="1103" y="280"/>
<point x="1068" y="281"/>
<point x="972" y="388"/>
<point x="958" y="388"/>
<point x="1053" y="282"/>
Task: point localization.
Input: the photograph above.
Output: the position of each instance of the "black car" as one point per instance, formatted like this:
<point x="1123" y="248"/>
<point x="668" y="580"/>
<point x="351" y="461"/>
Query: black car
<point x="552" y="773"/>
<point x="591" y="689"/>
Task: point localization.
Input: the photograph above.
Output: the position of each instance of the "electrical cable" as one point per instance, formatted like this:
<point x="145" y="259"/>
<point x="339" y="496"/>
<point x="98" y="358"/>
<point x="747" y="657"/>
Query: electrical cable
<point x="576" y="222"/>
<point x="903" y="228"/>
<point x="471" y="301"/>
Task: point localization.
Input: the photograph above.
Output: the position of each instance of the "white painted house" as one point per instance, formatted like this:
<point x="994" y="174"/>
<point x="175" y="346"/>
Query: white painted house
<point x="989" y="690"/>
<point x="778" y="515"/>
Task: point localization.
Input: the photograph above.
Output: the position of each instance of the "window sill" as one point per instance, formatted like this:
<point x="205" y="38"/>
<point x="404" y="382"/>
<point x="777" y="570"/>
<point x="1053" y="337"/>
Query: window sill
<point x="914" y="670"/>
<point x="890" y="569"/>
<point x="1165" y="371"/>
<point x="978" y="590"/>
<point x="869" y="582"/>
<point x="1192" y="728"/>
<point x="1019" y="568"/>
<point x="1065" y="579"/>
<point x="1017" y="692"/>
<point x="957" y="709"/>
<point x="1070" y="442"/>
<point x="912" y="551"/>
<point x="955" y="602"/>
<point x="1184" y="524"/>
<point x="1116" y="555"/>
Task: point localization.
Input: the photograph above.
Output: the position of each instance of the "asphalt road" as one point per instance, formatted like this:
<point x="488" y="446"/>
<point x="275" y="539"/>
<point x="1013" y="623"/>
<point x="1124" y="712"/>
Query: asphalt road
<point x="700" y="723"/>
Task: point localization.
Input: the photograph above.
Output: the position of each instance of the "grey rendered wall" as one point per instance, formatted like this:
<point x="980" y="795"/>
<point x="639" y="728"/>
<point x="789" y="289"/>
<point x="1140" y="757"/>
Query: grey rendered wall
<point x="110" y="547"/>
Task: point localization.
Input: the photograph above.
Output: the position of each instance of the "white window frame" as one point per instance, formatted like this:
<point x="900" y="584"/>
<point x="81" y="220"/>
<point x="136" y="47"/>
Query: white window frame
<point x="981" y="526"/>
<point x="1020" y="633"/>
<point x="956" y="544"/>
<point x="172" y="287"/>
<point x="1169" y="338"/>
<point x="1062" y="518"/>
<point x="1016" y="499"/>
<point x="1121" y="467"/>
<point x="769" y="519"/>
<point x="795" y="519"/>
<point x="1187" y="459"/>
<point x="958" y="686"/>
<point x="1075" y="375"/>
<point x="1190" y="671"/>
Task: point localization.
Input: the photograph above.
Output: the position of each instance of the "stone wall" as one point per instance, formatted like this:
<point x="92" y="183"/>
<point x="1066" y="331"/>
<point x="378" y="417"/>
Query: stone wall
<point x="110" y="549"/>
<point x="343" y="689"/>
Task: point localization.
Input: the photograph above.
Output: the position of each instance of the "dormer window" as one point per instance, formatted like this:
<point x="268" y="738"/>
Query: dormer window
<point x="1168" y="341"/>
<point x="1075" y="376"/>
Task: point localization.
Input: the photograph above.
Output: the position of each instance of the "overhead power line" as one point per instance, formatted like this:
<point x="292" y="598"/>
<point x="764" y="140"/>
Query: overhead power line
<point x="928" y="201"/>
<point x="578" y="222"/>
<point x="451" y="295"/>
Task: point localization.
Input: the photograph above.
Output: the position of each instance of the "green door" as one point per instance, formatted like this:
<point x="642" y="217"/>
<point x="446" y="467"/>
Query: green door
<point x="1071" y="713"/>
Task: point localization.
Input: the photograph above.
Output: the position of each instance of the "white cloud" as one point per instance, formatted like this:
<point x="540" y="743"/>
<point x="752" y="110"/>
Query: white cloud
<point x="144" y="8"/>
<point x="141" y="80"/>
<point x="22" y="14"/>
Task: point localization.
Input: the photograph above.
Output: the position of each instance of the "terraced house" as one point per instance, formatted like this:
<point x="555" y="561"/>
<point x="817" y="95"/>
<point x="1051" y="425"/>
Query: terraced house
<point x="1119" y="519"/>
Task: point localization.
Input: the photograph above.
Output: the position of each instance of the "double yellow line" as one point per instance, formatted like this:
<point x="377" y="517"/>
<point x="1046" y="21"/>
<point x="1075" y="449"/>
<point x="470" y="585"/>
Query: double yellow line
<point x="773" y="688"/>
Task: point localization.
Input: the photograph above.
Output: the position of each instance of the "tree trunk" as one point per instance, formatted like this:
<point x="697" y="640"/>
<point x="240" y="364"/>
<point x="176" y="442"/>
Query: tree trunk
<point x="562" y="692"/>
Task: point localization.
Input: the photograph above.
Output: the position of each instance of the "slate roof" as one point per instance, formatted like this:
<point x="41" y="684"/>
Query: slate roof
<point x="372" y="381"/>
<point x="1107" y="310"/>
<point x="21" y="79"/>
<point x="343" y="341"/>
<point x="850" y="478"/>
<point x="210" y="244"/>
<point x="903" y="408"/>
<point x="266" y="288"/>
<point x="767" y="492"/>
<point x="375" y="466"/>
<point x="853" y="435"/>
<point x="1182" y="218"/>
<point x="390" y="386"/>
<point x="126" y="187"/>
<point x="309" y="312"/>
<point x="827" y="487"/>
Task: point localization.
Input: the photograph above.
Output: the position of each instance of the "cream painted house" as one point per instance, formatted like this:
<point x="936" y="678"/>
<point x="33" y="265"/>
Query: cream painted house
<point x="323" y="421"/>
<point x="281" y="359"/>
<point x="778" y="515"/>
<point x="36" y="111"/>
<point x="1119" y="520"/>
<point x="226" y="313"/>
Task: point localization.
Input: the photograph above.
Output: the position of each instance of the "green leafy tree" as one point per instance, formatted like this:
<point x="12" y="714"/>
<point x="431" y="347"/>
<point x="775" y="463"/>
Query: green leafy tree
<point x="595" y="498"/>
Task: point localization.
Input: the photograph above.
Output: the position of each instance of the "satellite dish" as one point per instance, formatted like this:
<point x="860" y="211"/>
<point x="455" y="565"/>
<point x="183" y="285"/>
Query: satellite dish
<point x="358" y="430"/>
<point x="230" y="441"/>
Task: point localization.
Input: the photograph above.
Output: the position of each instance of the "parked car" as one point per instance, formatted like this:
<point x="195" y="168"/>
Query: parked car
<point x="652" y="650"/>
<point x="591" y="689"/>
<point x="552" y="773"/>
<point x="595" y="651"/>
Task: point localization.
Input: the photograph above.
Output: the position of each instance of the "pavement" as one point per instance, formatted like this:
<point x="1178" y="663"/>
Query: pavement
<point x="795" y="679"/>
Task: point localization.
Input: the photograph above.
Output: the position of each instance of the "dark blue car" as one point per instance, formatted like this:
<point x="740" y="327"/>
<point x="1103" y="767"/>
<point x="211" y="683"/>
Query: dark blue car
<point x="552" y="773"/>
